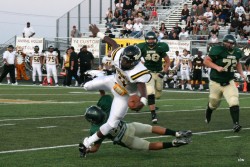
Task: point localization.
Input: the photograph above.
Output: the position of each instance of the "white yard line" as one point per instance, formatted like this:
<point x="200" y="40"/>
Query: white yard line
<point x="46" y="127"/>
<point x="229" y="137"/>
<point x="75" y="145"/>
<point x="129" y="113"/>
<point x="7" y="124"/>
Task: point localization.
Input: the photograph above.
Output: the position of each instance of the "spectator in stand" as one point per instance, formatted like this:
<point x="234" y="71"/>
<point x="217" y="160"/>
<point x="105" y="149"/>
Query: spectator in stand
<point x="242" y="38"/>
<point x="189" y="25"/>
<point x="213" y="39"/>
<point x="158" y="2"/>
<point x="177" y="28"/>
<point x="240" y="10"/>
<point x="246" y="29"/>
<point x="28" y="31"/>
<point x="247" y="14"/>
<point x="127" y="9"/>
<point x="204" y="32"/>
<point x="183" y="35"/>
<point x="147" y="13"/>
<point x="163" y="30"/>
<point x="170" y="34"/>
<point x="128" y="28"/>
<point x="214" y="31"/>
<point x="119" y="6"/>
<point x="193" y="13"/>
<point x="117" y="17"/>
<point x="166" y="3"/>
<point x="110" y="21"/>
<point x="137" y="29"/>
<point x="196" y="29"/>
<point x="108" y="33"/>
<point x="174" y="36"/>
<point x="208" y="15"/>
<point x="225" y="14"/>
<point x="235" y="25"/>
<point x="75" y="33"/>
<point x="153" y="15"/>
<point x="217" y="12"/>
<point x="184" y="13"/>
<point x="141" y="14"/>
<point x="200" y="10"/>
<point x="196" y="2"/>
<point x="137" y="5"/>
<point x="205" y="3"/>
<point x="108" y="11"/>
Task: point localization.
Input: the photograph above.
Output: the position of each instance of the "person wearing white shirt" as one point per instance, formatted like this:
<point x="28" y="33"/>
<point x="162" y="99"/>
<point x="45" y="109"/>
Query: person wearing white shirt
<point x="28" y="31"/>
<point x="183" y="34"/>
<point x="137" y="29"/>
<point x="240" y="10"/>
<point x="137" y="5"/>
<point x="9" y="61"/>
<point x="208" y="15"/>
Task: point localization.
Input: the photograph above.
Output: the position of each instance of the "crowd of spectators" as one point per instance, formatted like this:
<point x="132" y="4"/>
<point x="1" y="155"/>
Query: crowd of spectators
<point x="206" y="17"/>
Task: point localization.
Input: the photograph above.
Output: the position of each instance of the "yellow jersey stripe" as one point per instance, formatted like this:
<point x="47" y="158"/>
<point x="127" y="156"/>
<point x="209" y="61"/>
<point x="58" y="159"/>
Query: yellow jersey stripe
<point x="139" y="74"/>
<point x="113" y="54"/>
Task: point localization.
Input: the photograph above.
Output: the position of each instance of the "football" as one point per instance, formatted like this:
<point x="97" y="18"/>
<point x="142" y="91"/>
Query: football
<point x="133" y="101"/>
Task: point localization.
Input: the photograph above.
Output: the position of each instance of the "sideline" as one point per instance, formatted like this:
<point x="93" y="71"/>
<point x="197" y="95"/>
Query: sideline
<point x="75" y="145"/>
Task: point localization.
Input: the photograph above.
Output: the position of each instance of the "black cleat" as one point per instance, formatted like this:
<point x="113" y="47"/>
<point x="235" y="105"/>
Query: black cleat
<point x="180" y="142"/>
<point x="208" y="115"/>
<point x="82" y="150"/>
<point x="181" y="134"/>
<point x="237" y="128"/>
<point x="154" y="118"/>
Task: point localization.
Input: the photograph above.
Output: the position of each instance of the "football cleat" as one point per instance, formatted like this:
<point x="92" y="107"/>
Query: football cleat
<point x="180" y="142"/>
<point x="181" y="134"/>
<point x="82" y="150"/>
<point x="208" y="115"/>
<point x="154" y="118"/>
<point x="237" y="127"/>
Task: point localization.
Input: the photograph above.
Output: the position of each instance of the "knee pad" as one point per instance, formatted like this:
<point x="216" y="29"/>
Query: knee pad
<point x="214" y="103"/>
<point x="151" y="99"/>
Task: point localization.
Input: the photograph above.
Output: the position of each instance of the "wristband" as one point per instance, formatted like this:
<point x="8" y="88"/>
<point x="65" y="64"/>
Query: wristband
<point x="100" y="35"/>
<point x="144" y="100"/>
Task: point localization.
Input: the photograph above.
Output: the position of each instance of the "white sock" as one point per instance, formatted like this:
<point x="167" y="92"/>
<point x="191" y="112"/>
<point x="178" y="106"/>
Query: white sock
<point x="88" y="141"/>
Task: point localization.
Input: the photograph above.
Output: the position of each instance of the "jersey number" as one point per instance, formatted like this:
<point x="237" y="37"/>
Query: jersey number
<point x="154" y="57"/>
<point x="230" y="64"/>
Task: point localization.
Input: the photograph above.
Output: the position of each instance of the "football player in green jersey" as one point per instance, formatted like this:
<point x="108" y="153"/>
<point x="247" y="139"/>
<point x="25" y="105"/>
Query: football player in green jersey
<point x="223" y="61"/>
<point x="126" y="134"/>
<point x="153" y="52"/>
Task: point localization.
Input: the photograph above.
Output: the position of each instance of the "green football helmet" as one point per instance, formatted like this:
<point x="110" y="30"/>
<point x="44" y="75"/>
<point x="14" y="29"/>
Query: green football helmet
<point x="229" y="41"/>
<point x="151" y="35"/>
<point x="95" y="115"/>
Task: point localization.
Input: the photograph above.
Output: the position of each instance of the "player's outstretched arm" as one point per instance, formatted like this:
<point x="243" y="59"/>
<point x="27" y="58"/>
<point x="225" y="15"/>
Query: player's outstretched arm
<point x="96" y="33"/>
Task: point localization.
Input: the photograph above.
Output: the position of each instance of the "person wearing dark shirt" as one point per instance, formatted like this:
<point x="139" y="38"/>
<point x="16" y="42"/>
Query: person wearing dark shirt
<point x="197" y="73"/>
<point x="177" y="28"/>
<point x="73" y="67"/>
<point x="86" y="62"/>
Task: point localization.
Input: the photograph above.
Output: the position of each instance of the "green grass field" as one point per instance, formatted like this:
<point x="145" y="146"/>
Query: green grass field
<point x="42" y="126"/>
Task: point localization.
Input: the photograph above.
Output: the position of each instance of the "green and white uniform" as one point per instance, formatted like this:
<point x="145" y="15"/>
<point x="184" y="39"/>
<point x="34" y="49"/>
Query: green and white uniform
<point x="153" y="62"/>
<point x="222" y="83"/>
<point x="126" y="133"/>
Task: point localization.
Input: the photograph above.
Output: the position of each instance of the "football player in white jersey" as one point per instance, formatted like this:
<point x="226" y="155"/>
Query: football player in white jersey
<point x="51" y="59"/>
<point x="36" y="63"/>
<point x="130" y="78"/>
<point x="107" y="64"/>
<point x="185" y="63"/>
<point x="172" y="71"/>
